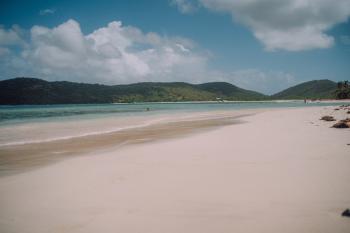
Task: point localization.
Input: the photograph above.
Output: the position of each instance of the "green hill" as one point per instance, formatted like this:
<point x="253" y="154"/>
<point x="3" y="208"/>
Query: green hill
<point x="37" y="91"/>
<point x="230" y="92"/>
<point x="316" y="89"/>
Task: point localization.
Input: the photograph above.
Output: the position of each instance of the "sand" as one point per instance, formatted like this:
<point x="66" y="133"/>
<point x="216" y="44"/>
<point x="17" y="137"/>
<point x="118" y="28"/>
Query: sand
<point x="24" y="157"/>
<point x="281" y="171"/>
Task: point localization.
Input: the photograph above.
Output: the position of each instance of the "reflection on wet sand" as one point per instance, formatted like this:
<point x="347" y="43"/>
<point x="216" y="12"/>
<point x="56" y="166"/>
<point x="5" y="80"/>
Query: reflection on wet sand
<point x="19" y="158"/>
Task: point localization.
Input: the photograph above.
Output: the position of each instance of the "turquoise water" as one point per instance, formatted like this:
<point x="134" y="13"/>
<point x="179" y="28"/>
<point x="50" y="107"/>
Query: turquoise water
<point x="40" y="123"/>
<point x="30" y="113"/>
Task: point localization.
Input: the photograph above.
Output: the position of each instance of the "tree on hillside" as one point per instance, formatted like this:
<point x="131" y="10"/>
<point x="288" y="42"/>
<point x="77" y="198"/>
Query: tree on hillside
<point x="343" y="90"/>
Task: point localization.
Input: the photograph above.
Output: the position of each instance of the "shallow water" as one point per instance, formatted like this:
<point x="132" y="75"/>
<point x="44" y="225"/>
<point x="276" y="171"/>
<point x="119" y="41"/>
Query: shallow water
<point x="42" y="123"/>
<point x="25" y="113"/>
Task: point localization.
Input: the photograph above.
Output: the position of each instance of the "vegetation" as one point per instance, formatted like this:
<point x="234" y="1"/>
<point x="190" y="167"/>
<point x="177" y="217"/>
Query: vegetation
<point x="37" y="91"/>
<point x="317" y="89"/>
<point x="343" y="90"/>
<point x="228" y="91"/>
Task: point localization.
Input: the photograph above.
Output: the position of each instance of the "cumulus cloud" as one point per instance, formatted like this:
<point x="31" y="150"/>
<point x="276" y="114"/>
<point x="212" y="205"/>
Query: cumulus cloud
<point x="292" y="25"/>
<point x="47" y="12"/>
<point x="112" y="54"/>
<point x="12" y="36"/>
<point x="184" y="6"/>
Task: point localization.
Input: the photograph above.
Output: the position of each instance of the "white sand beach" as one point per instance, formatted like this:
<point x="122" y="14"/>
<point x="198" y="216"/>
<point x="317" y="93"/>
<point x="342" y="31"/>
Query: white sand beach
<point x="281" y="170"/>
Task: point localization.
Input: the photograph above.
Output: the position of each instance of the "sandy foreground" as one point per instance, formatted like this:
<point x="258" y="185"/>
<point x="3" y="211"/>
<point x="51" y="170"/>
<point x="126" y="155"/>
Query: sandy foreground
<point x="282" y="170"/>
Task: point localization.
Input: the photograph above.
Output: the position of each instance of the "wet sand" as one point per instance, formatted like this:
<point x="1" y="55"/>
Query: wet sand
<point x="20" y="158"/>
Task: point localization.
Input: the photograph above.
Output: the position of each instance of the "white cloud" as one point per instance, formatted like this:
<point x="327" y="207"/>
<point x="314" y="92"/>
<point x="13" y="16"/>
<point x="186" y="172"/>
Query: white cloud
<point x="184" y="6"/>
<point x="113" y="54"/>
<point x="12" y="36"/>
<point x="47" y="11"/>
<point x="292" y="25"/>
<point x="183" y="49"/>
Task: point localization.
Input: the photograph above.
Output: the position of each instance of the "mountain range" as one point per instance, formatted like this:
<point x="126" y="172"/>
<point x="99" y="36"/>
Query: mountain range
<point x="38" y="91"/>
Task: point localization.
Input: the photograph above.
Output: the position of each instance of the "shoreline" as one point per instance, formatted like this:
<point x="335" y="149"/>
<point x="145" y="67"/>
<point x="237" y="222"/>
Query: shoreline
<point x="282" y="170"/>
<point x="22" y="157"/>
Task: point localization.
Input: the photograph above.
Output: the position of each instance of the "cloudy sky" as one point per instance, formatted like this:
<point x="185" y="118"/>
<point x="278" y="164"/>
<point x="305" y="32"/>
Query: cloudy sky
<point x="262" y="45"/>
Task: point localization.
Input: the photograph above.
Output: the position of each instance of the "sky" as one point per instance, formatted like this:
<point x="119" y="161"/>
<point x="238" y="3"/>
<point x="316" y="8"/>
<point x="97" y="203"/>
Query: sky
<point x="261" y="45"/>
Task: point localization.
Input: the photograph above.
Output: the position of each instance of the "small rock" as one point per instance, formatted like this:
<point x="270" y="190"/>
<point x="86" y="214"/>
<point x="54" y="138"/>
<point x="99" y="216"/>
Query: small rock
<point x="346" y="120"/>
<point x="346" y="213"/>
<point x="327" y="118"/>
<point x="336" y="109"/>
<point x="341" y="124"/>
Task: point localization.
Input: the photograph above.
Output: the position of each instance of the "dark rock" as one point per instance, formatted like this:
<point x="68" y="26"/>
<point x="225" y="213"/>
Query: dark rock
<point x="346" y="213"/>
<point x="327" y="118"/>
<point x="341" y="124"/>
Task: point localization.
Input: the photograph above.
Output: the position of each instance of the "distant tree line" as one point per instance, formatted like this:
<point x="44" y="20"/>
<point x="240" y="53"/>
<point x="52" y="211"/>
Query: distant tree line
<point x="343" y="90"/>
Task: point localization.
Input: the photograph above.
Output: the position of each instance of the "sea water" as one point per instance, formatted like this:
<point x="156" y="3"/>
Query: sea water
<point x="40" y="123"/>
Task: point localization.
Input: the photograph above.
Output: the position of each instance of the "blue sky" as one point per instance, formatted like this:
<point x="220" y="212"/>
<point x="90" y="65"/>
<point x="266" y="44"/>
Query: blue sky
<point x="262" y="45"/>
